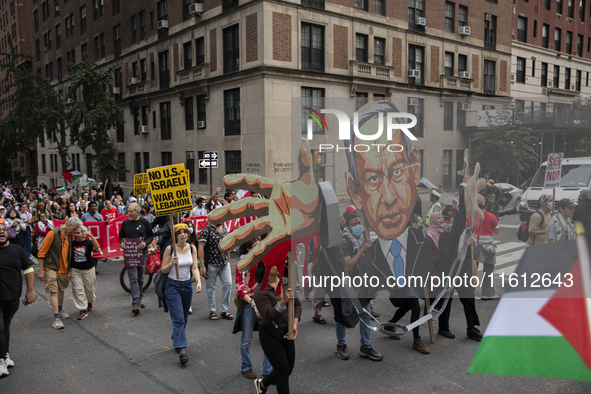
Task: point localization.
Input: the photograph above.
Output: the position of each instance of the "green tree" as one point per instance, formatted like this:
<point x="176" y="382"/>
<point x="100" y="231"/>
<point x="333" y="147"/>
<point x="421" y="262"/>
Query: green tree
<point x="91" y="118"/>
<point x="505" y="149"/>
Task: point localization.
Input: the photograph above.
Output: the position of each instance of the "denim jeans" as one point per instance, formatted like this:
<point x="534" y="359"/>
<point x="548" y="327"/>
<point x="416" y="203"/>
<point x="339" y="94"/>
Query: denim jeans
<point x="178" y="296"/>
<point x="223" y="271"/>
<point x="136" y="282"/>
<point x="364" y="330"/>
<point x="27" y="241"/>
<point x="248" y="319"/>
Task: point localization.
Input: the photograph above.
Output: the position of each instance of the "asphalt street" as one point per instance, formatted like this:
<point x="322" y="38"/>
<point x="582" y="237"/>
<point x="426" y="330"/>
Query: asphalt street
<point x="114" y="351"/>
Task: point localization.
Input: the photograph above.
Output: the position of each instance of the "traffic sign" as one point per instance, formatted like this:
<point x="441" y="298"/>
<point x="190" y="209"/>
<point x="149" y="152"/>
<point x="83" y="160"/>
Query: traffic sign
<point x="208" y="163"/>
<point x="210" y="155"/>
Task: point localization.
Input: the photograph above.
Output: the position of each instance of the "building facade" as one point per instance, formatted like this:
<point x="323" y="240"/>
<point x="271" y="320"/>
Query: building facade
<point x="222" y="76"/>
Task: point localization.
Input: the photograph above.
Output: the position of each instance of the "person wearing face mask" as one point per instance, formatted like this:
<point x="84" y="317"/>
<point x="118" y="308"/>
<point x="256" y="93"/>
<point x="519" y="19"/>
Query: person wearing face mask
<point x="353" y="244"/>
<point x="200" y="208"/>
<point x="539" y="220"/>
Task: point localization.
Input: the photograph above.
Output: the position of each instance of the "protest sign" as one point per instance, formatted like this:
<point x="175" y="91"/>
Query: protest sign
<point x="553" y="171"/>
<point x="140" y="184"/>
<point x="107" y="236"/>
<point x="132" y="256"/>
<point x="170" y="189"/>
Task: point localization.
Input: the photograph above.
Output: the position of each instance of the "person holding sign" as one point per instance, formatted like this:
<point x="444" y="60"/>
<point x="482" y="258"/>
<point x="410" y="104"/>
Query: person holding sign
<point x="136" y="227"/>
<point x="178" y="291"/>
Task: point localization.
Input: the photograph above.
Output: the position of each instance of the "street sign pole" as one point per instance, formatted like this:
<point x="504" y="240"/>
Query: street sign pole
<point x="210" y="169"/>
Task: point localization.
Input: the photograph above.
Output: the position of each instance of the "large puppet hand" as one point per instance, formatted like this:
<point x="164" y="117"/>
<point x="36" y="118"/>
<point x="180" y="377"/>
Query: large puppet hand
<point x="291" y="210"/>
<point x="474" y="186"/>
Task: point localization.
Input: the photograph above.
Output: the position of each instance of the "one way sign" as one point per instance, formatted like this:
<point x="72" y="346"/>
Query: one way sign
<point x="208" y="163"/>
<point x="210" y="155"/>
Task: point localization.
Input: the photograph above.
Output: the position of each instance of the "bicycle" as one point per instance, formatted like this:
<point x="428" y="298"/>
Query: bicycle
<point x="124" y="280"/>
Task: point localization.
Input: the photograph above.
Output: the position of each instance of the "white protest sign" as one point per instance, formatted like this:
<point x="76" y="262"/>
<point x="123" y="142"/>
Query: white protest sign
<point x="553" y="171"/>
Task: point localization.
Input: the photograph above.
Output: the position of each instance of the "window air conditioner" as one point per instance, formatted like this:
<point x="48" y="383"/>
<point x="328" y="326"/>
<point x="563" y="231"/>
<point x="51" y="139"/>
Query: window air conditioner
<point x="414" y="73"/>
<point x="143" y="129"/>
<point x="413" y="102"/>
<point x="420" y="21"/>
<point x="464" y="30"/>
<point x="464" y="74"/>
<point x="201" y="124"/>
<point x="163" y="24"/>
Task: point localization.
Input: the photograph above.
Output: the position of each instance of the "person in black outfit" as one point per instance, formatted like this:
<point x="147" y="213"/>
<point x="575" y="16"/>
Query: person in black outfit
<point x="273" y="329"/>
<point x="13" y="260"/>
<point x="136" y="227"/>
<point x="163" y="233"/>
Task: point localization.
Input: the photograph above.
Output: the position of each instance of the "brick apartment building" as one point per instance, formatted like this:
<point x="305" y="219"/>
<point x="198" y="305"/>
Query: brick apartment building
<point x="222" y="76"/>
<point x="15" y="30"/>
<point x="551" y="63"/>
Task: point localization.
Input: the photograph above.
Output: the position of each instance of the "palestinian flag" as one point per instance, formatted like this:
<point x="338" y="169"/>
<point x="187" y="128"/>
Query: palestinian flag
<point x="72" y="175"/>
<point x="240" y="193"/>
<point x="543" y="331"/>
<point x="85" y="180"/>
<point x="40" y="194"/>
<point x="428" y="185"/>
<point x="59" y="189"/>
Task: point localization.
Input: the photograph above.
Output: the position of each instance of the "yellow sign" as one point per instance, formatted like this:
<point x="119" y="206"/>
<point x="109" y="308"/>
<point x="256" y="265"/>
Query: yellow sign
<point x="170" y="189"/>
<point x="140" y="184"/>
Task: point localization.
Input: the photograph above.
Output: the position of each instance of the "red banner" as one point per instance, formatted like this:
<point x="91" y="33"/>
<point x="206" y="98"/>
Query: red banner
<point x="107" y="236"/>
<point x="199" y="223"/>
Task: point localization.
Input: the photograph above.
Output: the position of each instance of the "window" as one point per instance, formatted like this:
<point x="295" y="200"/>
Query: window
<point x="49" y="39"/>
<point x="582" y="10"/>
<point x="233" y="162"/>
<point x="143" y="70"/>
<point x="545" y="32"/>
<point x="133" y="29"/>
<point x="83" y="20"/>
<point x="37" y="50"/>
<point x="142" y="16"/>
<point x="188" y="55"/>
<point x="463" y="16"/>
<point x="134" y="69"/>
<point x="190" y="165"/>
<point x="547" y="4"/>
<point x="533" y="68"/>
<point x="569" y="42"/>
<point x="232" y="111"/>
<point x="361" y="4"/>
<point x="146" y="161"/>
<point x="200" y="50"/>
<point x="50" y="71"/>
<point x="557" y="39"/>
<point x="490" y="31"/>
<point x="489" y="77"/>
<point x="580" y="45"/>
<point x="415" y="62"/>
<point x="231" y="49"/>
<point x="462" y="63"/>
<point x="138" y="162"/>
<point x="121" y="134"/>
<point x="379" y="50"/>
<point x="559" y="7"/>
<point x="361" y="48"/>
<point x="116" y="7"/>
<point x="448" y="115"/>
<point x="121" y="177"/>
<point x="43" y="164"/>
<point x="136" y="121"/>
<point x="570" y="9"/>
<point x="36" y="19"/>
<point x="164" y="67"/>
<point x="449" y="63"/>
<point x="166" y="158"/>
<point x="450" y="10"/>
<point x="102" y="42"/>
<point x="145" y="113"/>
<point x="101" y="8"/>
<point x="544" y="75"/>
<point x="416" y="9"/>
<point x="312" y="47"/>
<point x="418" y="111"/>
<point x="162" y="7"/>
<point x="461" y="116"/>
<point x="95" y="9"/>
<point x="379" y="7"/>
<point x="44" y="15"/>
<point x="360" y="100"/>
<point x="189" y="121"/>
<point x="51" y="161"/>
<point x="117" y="40"/>
<point x="201" y="115"/>
<point x="578" y="80"/>
<point x="186" y="5"/>
<point x="165" y="127"/>
<point x="97" y="54"/>
<point x="118" y="79"/>
<point x="57" y="7"/>
<point x="378" y="97"/>
<point x="59" y="69"/>
<point x="312" y="98"/>
<point x="202" y="171"/>
<point x="84" y="50"/>
<point x="567" y="78"/>
<point x="520" y="70"/>
<point x="521" y="29"/>
<point x="555" y="82"/>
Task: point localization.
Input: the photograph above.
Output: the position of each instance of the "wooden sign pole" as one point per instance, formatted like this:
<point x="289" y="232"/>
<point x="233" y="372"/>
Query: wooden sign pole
<point x="291" y="302"/>
<point x="428" y="305"/>
<point x="173" y="244"/>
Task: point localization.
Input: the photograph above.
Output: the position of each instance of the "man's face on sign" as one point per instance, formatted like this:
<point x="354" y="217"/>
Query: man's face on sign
<point x="387" y="183"/>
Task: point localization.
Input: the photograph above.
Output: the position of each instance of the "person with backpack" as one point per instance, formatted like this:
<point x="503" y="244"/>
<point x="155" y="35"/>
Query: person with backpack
<point x="539" y="220"/>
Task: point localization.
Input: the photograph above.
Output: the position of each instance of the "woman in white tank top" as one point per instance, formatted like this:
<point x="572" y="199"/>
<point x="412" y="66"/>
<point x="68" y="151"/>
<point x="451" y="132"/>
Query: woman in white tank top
<point x="178" y="291"/>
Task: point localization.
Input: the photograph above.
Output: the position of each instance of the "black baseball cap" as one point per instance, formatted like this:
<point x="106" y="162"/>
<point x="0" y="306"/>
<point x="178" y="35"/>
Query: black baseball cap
<point x="566" y="203"/>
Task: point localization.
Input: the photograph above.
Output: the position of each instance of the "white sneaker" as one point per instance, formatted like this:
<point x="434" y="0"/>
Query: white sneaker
<point x="57" y="324"/>
<point x="3" y="369"/>
<point x="9" y="363"/>
<point x="63" y="315"/>
<point x="190" y="310"/>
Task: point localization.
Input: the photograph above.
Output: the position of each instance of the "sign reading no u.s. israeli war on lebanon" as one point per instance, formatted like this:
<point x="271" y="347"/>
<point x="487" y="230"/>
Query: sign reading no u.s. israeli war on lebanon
<point x="170" y="189"/>
<point x="553" y="171"/>
<point x="140" y="184"/>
